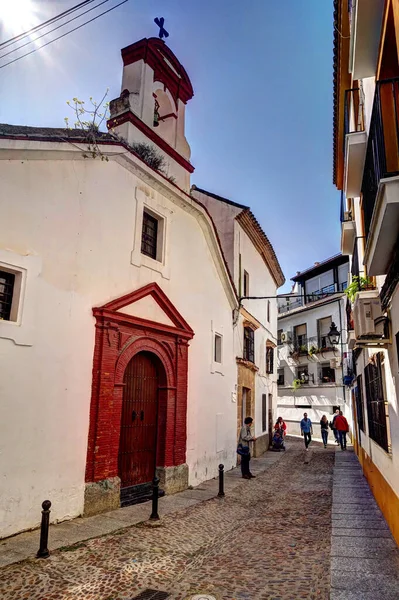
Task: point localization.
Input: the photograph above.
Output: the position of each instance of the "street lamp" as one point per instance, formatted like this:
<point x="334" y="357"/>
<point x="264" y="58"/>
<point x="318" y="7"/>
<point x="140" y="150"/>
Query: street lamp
<point x="334" y="335"/>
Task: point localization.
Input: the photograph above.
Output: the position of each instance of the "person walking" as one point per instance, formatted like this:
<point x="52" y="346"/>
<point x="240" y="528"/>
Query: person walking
<point x="324" y="429"/>
<point x="306" y="430"/>
<point x="243" y="447"/>
<point x="341" y="425"/>
<point x="332" y="425"/>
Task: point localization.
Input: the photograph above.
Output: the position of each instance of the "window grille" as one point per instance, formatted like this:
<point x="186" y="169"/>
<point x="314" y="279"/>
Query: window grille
<point x="377" y="408"/>
<point x="149" y="237"/>
<point x="249" y="344"/>
<point x="359" y="403"/>
<point x="7" y="281"/>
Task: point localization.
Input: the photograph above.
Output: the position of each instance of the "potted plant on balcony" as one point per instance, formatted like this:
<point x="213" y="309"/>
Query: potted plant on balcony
<point x="358" y="284"/>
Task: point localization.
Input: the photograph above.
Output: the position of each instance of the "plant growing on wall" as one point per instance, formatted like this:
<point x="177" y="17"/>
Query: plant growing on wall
<point x="296" y="384"/>
<point x="90" y="120"/>
<point x="358" y="283"/>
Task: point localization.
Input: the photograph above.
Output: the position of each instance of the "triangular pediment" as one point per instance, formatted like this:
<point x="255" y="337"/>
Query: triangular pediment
<point x="147" y="308"/>
<point x="151" y="304"/>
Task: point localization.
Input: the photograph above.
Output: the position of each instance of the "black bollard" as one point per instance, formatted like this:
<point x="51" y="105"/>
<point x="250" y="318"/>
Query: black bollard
<point x="43" y="551"/>
<point x="155" y="492"/>
<point x="221" y="480"/>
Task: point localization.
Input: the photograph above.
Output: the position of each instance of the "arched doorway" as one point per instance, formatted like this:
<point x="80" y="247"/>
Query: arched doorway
<point x="140" y="420"/>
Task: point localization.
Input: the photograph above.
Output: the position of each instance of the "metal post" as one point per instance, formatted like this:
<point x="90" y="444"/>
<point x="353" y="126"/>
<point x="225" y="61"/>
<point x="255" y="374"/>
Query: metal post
<point x="155" y="492"/>
<point x="221" y="480"/>
<point x="43" y="551"/>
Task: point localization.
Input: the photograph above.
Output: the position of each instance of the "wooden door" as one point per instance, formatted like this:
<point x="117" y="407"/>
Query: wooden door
<point x="138" y="440"/>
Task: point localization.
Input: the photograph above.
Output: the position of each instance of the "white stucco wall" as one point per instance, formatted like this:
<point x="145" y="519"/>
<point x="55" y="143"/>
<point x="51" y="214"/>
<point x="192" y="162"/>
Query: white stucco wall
<point x="261" y="283"/>
<point x="77" y="218"/>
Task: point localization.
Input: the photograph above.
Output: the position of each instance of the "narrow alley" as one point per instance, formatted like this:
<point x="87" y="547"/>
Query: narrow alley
<point x="268" y="539"/>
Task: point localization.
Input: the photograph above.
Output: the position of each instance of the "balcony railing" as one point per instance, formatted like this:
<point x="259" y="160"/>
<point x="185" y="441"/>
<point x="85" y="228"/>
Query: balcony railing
<point x="346" y="215"/>
<point x="353" y="112"/>
<point x="382" y="156"/>
<point x="290" y="304"/>
<point x="302" y="345"/>
<point x="322" y="293"/>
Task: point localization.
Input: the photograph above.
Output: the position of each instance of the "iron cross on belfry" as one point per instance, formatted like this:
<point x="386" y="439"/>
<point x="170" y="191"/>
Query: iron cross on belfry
<point x="162" y="31"/>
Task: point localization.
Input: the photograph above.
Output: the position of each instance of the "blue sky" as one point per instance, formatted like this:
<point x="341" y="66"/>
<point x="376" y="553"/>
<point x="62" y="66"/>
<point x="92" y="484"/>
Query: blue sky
<point x="260" y="123"/>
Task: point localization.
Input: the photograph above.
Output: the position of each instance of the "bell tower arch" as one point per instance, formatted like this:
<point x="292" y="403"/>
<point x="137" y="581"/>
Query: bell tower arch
<point x="151" y="107"/>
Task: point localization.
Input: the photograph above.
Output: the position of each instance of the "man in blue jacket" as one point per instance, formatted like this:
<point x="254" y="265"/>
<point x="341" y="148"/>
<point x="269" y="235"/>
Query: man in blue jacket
<point x="306" y="429"/>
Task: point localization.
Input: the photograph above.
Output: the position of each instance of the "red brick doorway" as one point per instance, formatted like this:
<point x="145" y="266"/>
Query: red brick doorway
<point x="120" y="337"/>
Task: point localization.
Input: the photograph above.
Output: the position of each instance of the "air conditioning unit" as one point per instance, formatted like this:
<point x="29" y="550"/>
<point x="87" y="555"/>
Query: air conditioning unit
<point x="285" y="337"/>
<point x="367" y="316"/>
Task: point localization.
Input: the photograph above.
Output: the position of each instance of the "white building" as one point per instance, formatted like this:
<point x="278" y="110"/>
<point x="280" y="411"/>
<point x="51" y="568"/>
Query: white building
<point x="311" y="370"/>
<point x="366" y="170"/>
<point x="110" y="258"/>
<point x="256" y="275"/>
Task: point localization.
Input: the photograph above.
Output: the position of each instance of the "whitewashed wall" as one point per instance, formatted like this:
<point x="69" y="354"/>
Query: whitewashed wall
<point x="261" y="284"/>
<point x="76" y="220"/>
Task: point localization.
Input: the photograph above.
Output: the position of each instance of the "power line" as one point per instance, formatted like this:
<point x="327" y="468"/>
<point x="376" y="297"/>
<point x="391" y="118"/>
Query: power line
<point x="55" y="29"/>
<point x="64" y="34"/>
<point x="48" y="22"/>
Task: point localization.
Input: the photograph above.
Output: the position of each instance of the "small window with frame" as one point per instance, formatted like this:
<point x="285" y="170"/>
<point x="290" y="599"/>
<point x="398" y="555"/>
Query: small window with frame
<point x="10" y="292"/>
<point x="152" y="235"/>
<point x="217" y="356"/>
<point x="246" y="284"/>
<point x="327" y="374"/>
<point x="249" y="344"/>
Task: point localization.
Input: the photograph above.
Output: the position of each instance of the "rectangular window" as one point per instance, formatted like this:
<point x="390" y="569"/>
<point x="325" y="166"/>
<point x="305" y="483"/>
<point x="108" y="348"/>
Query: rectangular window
<point x="7" y="281"/>
<point x="149" y="238"/>
<point x="279" y="332"/>
<point x="323" y="329"/>
<point x="280" y="376"/>
<point x="343" y="273"/>
<point x="359" y="402"/>
<point x="249" y="344"/>
<point x="264" y="412"/>
<point x="246" y="284"/>
<point x="327" y="374"/>
<point x="218" y="348"/>
<point x="300" y="340"/>
<point x="302" y="373"/>
<point x="268" y="311"/>
<point x="269" y="360"/>
<point x="377" y="408"/>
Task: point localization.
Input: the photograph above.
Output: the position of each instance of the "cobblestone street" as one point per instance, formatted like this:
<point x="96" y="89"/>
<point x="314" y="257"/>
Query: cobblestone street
<point x="268" y="539"/>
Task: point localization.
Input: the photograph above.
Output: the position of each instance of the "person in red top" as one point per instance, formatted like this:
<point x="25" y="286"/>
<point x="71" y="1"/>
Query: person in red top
<point x="280" y="425"/>
<point x="341" y="425"/>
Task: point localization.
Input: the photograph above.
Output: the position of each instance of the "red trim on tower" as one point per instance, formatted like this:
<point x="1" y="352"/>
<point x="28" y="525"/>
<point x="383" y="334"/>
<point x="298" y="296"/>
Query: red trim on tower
<point x="157" y="55"/>
<point x="130" y="117"/>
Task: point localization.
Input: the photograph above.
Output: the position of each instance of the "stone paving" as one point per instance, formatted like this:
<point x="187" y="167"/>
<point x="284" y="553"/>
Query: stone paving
<point x="268" y="539"/>
<point x="364" y="556"/>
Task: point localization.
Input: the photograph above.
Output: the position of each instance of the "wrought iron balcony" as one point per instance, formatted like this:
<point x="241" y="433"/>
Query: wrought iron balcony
<point x="382" y="159"/>
<point x="380" y="183"/>
<point x="355" y="141"/>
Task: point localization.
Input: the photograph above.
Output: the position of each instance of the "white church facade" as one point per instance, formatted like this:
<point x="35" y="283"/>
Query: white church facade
<point x="117" y="310"/>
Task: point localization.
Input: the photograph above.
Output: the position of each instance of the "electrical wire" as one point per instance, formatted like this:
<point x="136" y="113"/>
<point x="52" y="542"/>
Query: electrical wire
<point x="45" y="24"/>
<point x="55" y="29"/>
<point x="64" y="34"/>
